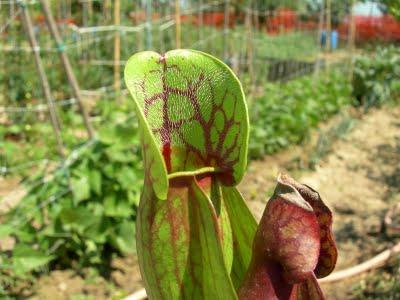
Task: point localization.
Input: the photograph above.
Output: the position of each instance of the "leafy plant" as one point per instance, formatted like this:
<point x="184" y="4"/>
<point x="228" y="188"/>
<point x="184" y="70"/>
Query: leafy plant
<point x="326" y="139"/>
<point x="380" y="285"/>
<point x="194" y="230"/>
<point x="391" y="6"/>
<point x="288" y="112"/>
<point x="377" y="79"/>
<point x="83" y="213"/>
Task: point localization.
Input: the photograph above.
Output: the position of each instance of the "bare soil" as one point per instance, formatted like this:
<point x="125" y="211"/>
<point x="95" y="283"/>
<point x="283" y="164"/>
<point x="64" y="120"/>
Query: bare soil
<point x="359" y="180"/>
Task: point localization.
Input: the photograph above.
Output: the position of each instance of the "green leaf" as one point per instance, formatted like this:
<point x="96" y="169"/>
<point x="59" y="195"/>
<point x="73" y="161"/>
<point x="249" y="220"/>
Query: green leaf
<point x="244" y="228"/>
<point x="126" y="177"/>
<point x="25" y="259"/>
<point x="116" y="154"/>
<point x="78" y="218"/>
<point x="107" y="135"/>
<point x="95" y="181"/>
<point x="124" y="237"/>
<point x="179" y="246"/>
<point x="94" y="230"/>
<point x="115" y="206"/>
<point x="80" y="188"/>
<point x="6" y="230"/>
<point x="216" y="281"/>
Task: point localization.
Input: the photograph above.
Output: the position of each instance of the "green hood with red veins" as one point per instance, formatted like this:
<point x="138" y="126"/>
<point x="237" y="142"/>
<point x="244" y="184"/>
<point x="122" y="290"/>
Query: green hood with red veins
<point x="193" y="114"/>
<point x="194" y="230"/>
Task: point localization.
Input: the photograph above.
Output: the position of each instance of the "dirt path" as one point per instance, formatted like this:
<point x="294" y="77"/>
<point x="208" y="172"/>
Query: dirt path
<point x="359" y="181"/>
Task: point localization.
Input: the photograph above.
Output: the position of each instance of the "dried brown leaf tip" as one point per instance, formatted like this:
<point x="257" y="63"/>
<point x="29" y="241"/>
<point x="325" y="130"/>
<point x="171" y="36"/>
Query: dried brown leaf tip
<point x="294" y="245"/>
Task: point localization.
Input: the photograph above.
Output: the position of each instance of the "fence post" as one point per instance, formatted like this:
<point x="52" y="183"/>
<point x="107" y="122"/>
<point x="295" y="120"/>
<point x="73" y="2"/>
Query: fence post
<point x="328" y="25"/>
<point x="200" y="20"/>
<point x="149" y="19"/>
<point x="250" y="48"/>
<point x="351" y="41"/>
<point x="42" y="77"/>
<point x="67" y="65"/>
<point x="178" y="24"/>
<point x="319" y="34"/>
<point x="226" y="29"/>
<point x="106" y="10"/>
<point x="117" y="48"/>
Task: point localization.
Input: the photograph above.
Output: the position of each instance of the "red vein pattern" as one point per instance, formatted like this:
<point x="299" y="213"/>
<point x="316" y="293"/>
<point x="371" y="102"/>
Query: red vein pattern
<point x="198" y="107"/>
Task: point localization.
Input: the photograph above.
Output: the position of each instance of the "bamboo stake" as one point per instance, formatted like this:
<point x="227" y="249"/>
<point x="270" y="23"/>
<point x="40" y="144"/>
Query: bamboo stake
<point x="250" y="47"/>
<point x="149" y="19"/>
<point x="59" y="10"/>
<point x="169" y="34"/>
<point x="84" y="13"/>
<point x="351" y="41"/>
<point x="42" y="76"/>
<point x="67" y="66"/>
<point x="328" y="25"/>
<point x="117" y="48"/>
<point x="200" y="20"/>
<point x="178" y="24"/>
<point x="90" y="10"/>
<point x="319" y="33"/>
<point x="226" y="29"/>
<point x="106" y="10"/>
<point x="69" y="12"/>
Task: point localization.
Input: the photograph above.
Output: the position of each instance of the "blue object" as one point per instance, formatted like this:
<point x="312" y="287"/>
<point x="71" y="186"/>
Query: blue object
<point x="334" y="39"/>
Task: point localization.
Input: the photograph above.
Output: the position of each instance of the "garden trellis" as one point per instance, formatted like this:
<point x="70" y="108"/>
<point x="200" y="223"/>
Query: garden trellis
<point x="260" y="45"/>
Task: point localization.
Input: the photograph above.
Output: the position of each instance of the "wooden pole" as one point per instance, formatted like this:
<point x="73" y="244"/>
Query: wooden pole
<point x="90" y="10"/>
<point x="200" y="20"/>
<point x="169" y="40"/>
<point x="226" y="29"/>
<point x="149" y="20"/>
<point x="43" y="78"/>
<point x="250" y="48"/>
<point x="117" y="48"/>
<point x="328" y="25"/>
<point x="178" y="24"/>
<point x="67" y="65"/>
<point x="106" y="10"/>
<point x="84" y="13"/>
<point x="319" y="33"/>
<point x="351" y="41"/>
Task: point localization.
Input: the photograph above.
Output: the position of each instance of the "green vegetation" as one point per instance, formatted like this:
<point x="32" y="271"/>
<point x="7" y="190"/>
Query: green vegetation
<point x="288" y="112"/>
<point x="391" y="6"/>
<point x="377" y="78"/>
<point x="385" y="286"/>
<point x="85" y="209"/>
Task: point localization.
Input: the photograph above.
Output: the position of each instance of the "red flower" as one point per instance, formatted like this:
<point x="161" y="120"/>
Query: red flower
<point x="294" y="246"/>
